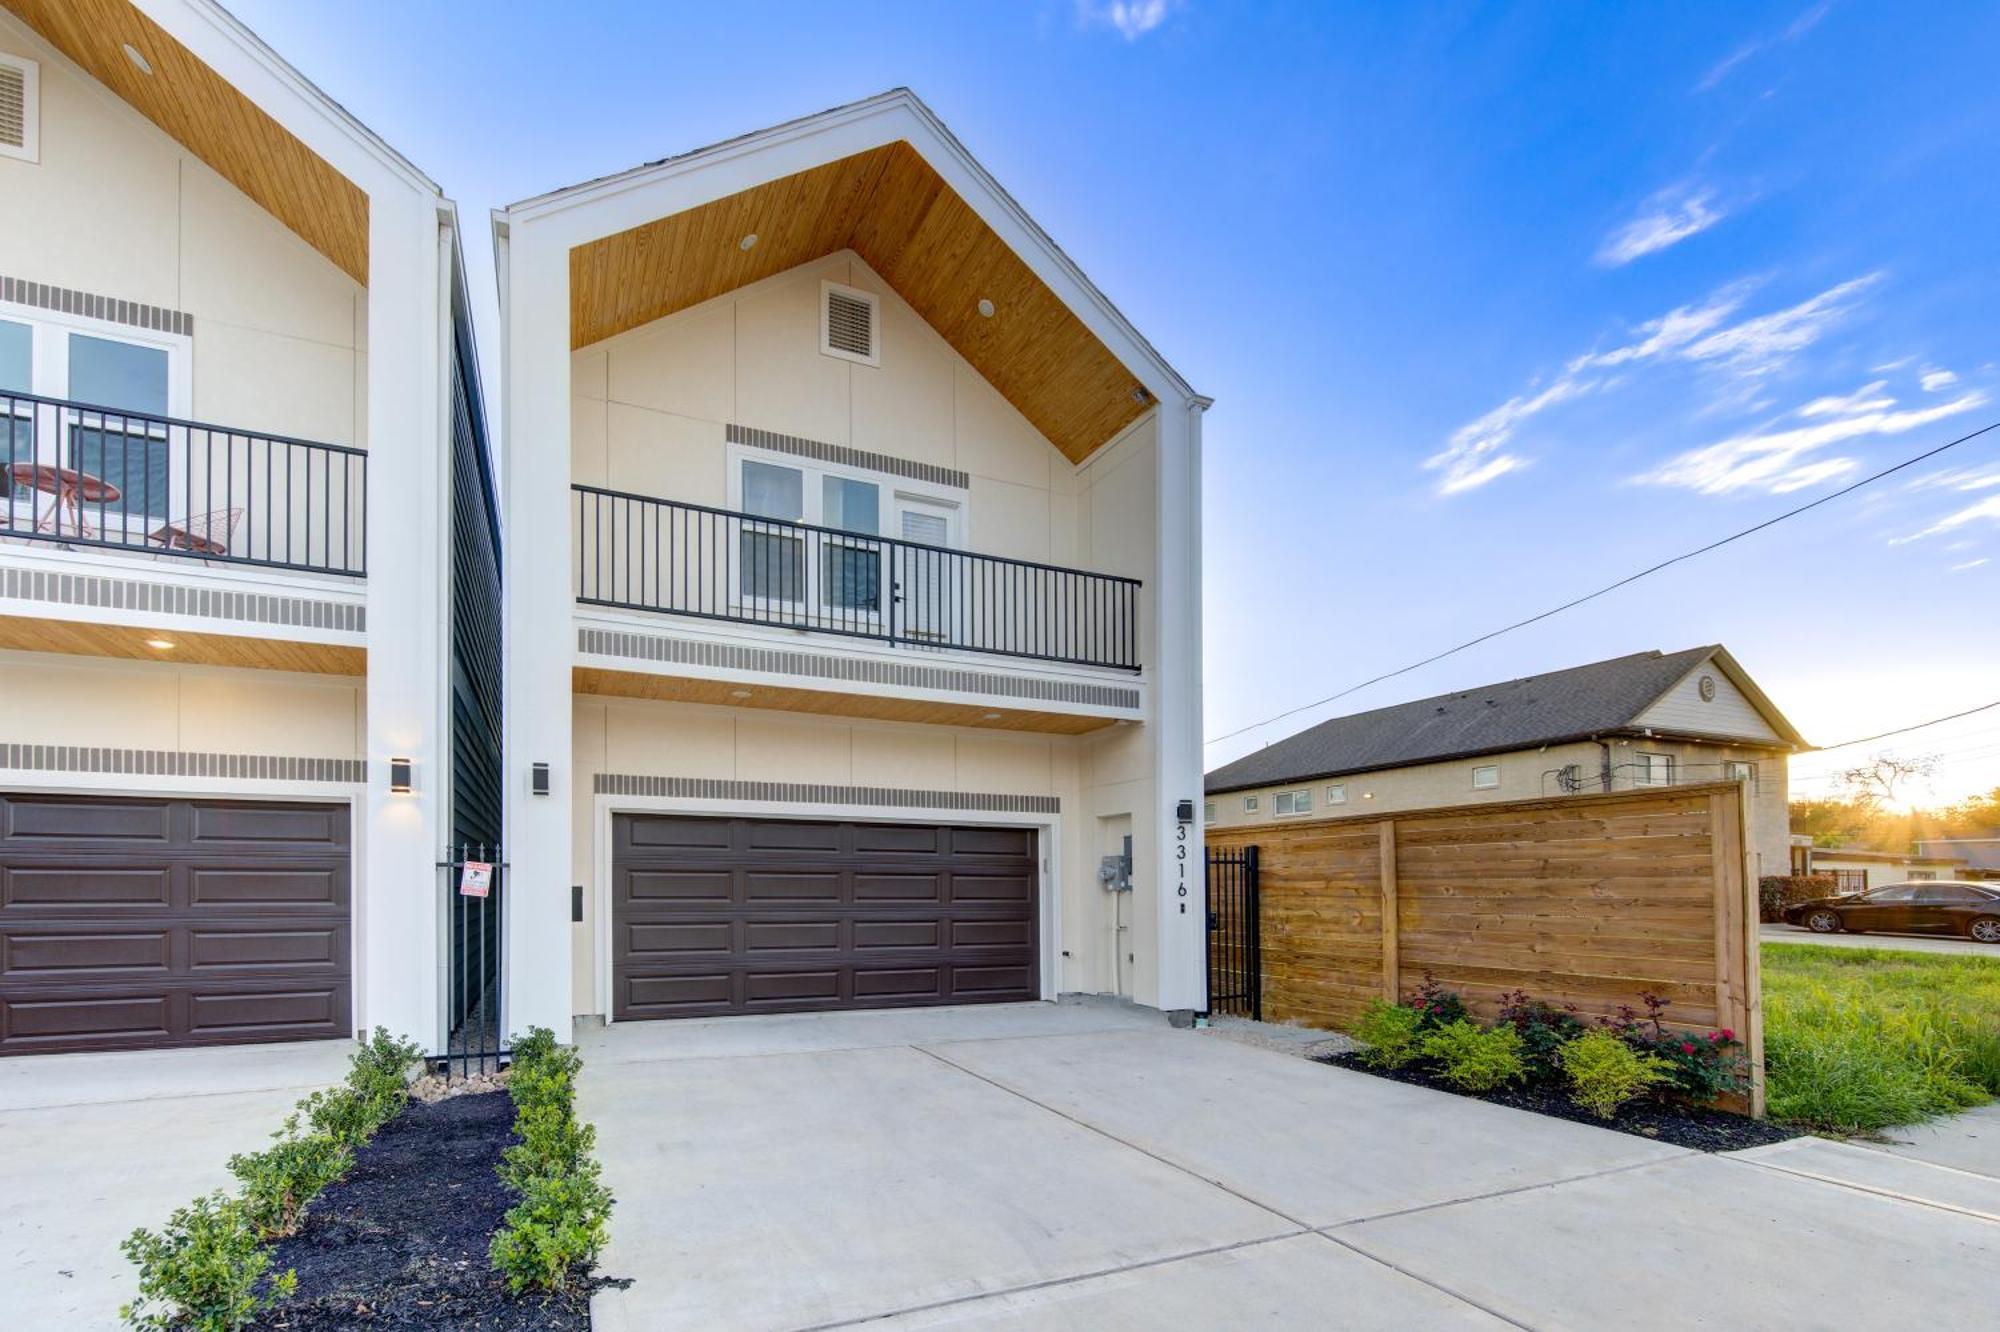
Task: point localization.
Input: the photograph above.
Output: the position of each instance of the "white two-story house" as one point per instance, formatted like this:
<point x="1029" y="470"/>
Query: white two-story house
<point x="246" y="533"/>
<point x="852" y="588"/>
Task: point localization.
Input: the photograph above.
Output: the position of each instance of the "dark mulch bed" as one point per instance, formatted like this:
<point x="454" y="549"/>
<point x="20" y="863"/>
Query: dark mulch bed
<point x="1682" y="1126"/>
<point x="401" y="1242"/>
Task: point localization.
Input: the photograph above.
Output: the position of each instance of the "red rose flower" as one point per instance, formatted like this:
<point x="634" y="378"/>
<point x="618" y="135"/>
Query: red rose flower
<point x="1687" y="1047"/>
<point x="1728" y="1035"/>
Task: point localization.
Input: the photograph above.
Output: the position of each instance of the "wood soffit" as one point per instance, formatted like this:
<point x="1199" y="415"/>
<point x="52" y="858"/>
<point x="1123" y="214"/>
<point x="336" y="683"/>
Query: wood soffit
<point x="211" y="119"/>
<point x="890" y="207"/>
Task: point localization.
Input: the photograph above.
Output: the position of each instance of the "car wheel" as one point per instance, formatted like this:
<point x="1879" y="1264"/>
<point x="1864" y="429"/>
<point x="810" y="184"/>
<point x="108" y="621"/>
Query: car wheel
<point x="1823" y="922"/>
<point x="1986" y="929"/>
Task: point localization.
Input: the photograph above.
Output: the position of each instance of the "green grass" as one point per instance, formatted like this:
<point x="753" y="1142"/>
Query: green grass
<point x="1859" y="1039"/>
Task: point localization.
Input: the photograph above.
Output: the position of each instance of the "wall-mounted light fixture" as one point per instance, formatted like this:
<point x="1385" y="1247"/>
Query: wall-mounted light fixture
<point x="402" y="773"/>
<point x="1184" y="812"/>
<point x="538" y="779"/>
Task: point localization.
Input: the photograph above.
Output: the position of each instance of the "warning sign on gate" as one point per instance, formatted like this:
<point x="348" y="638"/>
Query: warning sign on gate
<point x="475" y="878"/>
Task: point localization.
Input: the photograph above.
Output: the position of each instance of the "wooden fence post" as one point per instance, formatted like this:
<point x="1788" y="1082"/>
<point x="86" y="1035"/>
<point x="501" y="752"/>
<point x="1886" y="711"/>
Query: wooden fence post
<point x="1738" y="1006"/>
<point x="1392" y="979"/>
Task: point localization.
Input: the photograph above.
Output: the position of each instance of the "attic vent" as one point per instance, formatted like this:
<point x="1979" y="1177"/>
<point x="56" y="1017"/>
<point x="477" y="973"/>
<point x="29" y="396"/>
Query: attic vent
<point x="848" y="327"/>
<point x="19" y="132"/>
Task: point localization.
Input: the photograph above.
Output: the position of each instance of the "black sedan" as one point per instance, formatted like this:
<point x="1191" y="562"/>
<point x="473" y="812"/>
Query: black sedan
<point x="1934" y="907"/>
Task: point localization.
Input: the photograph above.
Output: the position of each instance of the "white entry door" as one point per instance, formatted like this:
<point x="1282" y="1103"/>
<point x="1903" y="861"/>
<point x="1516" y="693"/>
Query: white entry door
<point x="927" y="571"/>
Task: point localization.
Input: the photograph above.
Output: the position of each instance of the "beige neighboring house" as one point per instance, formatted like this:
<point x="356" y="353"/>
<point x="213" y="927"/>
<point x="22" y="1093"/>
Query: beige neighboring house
<point x="1856" y="868"/>
<point x="1649" y="719"/>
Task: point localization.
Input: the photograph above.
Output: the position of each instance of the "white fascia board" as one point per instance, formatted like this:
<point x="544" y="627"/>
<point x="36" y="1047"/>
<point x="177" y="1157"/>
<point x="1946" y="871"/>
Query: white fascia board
<point x="225" y="45"/>
<point x="590" y="211"/>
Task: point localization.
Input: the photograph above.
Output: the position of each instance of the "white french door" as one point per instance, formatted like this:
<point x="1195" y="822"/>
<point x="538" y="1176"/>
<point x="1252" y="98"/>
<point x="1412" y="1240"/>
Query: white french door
<point x="924" y="575"/>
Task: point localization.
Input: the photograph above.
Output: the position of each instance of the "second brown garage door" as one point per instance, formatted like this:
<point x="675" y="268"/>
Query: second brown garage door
<point x="128" y="923"/>
<point x="764" y="915"/>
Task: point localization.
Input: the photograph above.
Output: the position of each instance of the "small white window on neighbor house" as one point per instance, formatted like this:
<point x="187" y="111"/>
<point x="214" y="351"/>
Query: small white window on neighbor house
<point x="1655" y="769"/>
<point x="1249" y="804"/>
<point x="1485" y="777"/>
<point x="1293" y="802"/>
<point x="1336" y="794"/>
<point x="1208" y="811"/>
<point x="1737" y="771"/>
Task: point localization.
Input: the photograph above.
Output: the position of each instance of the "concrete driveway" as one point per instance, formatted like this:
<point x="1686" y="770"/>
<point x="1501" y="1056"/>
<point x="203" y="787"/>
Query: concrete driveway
<point x="1083" y="1166"/>
<point x="1904" y="943"/>
<point x="93" y="1145"/>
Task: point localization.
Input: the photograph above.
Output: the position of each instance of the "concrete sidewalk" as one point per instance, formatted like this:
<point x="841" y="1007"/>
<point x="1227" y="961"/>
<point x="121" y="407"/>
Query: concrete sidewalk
<point x="93" y="1145"/>
<point x="1082" y="1166"/>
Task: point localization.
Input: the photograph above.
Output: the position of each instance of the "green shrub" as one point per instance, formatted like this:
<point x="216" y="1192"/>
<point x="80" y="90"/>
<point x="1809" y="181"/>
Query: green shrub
<point x="1604" y="1072"/>
<point x="535" y="1046"/>
<point x="373" y="1093"/>
<point x="1700" y="1065"/>
<point x="1389" y="1033"/>
<point x="552" y="1236"/>
<point x="1476" y="1058"/>
<point x="553" y="1142"/>
<point x="546" y="1080"/>
<point x="202" y="1271"/>
<point x="281" y="1180"/>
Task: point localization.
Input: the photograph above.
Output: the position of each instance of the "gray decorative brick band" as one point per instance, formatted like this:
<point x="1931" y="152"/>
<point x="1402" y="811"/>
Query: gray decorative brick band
<point x="846" y="457"/>
<point x="807" y="793"/>
<point x="66" y="300"/>
<point x="214" y="603"/>
<point x="181" y="763"/>
<point x="904" y="675"/>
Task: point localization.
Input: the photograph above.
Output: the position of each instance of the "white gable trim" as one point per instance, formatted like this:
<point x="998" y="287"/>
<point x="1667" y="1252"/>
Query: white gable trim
<point x="583" y="213"/>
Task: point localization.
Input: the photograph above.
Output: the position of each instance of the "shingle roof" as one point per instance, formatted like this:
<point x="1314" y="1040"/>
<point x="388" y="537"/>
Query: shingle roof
<point x="1536" y="710"/>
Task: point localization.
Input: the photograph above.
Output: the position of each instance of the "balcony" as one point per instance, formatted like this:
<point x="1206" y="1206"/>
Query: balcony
<point x="639" y="553"/>
<point x="149" y="537"/>
<point x="80" y="477"/>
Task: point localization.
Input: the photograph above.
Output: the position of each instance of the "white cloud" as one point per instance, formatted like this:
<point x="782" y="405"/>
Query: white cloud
<point x="1959" y="478"/>
<point x="1758" y="346"/>
<point x="1671" y="332"/>
<point x="1933" y="380"/>
<point x="1794" y="30"/>
<point x="1780" y="461"/>
<point x="1132" y="18"/>
<point x="1667" y="219"/>
<point x="1475" y="454"/>
<point x="1963" y="565"/>
<point x="1868" y="398"/>
<point x="1972" y="513"/>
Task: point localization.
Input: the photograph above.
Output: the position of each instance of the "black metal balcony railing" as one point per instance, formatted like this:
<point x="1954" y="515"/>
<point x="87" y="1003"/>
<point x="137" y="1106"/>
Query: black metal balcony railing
<point x="640" y="553"/>
<point x="79" y="475"/>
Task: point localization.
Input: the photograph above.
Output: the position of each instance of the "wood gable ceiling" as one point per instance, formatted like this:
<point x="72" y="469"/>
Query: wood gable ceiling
<point x="212" y="120"/>
<point x="890" y="207"/>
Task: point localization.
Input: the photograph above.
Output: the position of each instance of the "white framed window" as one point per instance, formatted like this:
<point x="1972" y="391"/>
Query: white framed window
<point x="850" y="324"/>
<point x="93" y="363"/>
<point x="1249" y="804"/>
<point x="1485" y="776"/>
<point x="1292" y="802"/>
<point x="1736" y="770"/>
<point x="20" y="108"/>
<point x="1336" y="794"/>
<point x="1655" y="769"/>
<point x="1208" y="811"/>
<point x="839" y="573"/>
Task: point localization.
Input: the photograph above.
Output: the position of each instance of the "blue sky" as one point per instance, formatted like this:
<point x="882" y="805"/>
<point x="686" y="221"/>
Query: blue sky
<point x="1497" y="302"/>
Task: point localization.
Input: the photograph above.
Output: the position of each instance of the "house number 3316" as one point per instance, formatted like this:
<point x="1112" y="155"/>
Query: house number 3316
<point x="1180" y="860"/>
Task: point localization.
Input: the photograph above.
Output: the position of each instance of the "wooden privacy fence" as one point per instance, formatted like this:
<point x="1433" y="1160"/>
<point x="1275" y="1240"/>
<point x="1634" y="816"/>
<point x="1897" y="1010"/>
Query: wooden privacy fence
<point x="1591" y="900"/>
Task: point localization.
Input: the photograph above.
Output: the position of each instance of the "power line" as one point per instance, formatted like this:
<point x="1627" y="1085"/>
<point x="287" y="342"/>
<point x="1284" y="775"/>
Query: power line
<point x="1901" y="730"/>
<point x="1611" y="587"/>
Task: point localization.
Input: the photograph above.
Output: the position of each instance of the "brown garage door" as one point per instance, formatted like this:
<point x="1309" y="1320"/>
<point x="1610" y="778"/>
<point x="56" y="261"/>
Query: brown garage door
<point x="770" y="916"/>
<point x="129" y="924"/>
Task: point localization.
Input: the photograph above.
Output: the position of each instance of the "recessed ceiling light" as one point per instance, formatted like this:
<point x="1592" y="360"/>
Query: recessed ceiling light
<point x="985" y="307"/>
<point x="747" y="242"/>
<point x="991" y="716"/>
<point x="132" y="54"/>
<point x="163" y="644"/>
<point x="739" y="693"/>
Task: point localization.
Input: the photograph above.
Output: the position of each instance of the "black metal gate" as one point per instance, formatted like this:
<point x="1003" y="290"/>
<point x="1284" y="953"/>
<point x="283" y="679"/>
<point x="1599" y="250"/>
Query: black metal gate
<point x="474" y="875"/>
<point x="1235" y="952"/>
